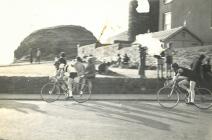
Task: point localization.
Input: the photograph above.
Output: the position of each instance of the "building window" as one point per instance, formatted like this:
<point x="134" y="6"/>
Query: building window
<point x="211" y="14"/>
<point x="167" y="20"/>
<point x="167" y="1"/>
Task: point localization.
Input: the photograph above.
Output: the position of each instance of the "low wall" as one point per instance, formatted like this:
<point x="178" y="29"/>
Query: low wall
<point x="32" y="85"/>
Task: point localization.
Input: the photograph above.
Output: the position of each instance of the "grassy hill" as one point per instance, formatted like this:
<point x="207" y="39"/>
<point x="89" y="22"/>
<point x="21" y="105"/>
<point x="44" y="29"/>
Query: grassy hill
<point x="53" y="40"/>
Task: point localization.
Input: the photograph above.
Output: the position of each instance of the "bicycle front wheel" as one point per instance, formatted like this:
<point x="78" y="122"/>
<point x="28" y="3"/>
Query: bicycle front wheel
<point x="81" y="92"/>
<point x="50" y="92"/>
<point x="203" y="98"/>
<point x="167" y="97"/>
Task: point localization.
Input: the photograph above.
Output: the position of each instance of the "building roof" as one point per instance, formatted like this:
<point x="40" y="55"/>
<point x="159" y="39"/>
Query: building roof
<point x="167" y="34"/>
<point x="123" y="36"/>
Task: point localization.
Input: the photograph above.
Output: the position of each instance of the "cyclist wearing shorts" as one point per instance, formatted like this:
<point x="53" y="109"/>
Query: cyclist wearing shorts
<point x="75" y="70"/>
<point x="189" y="79"/>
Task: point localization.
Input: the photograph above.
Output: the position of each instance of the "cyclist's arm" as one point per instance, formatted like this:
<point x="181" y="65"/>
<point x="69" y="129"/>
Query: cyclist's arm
<point x="176" y="77"/>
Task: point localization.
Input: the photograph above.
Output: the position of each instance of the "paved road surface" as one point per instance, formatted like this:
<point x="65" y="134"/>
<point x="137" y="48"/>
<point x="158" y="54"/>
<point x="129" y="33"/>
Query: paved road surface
<point x="102" y="120"/>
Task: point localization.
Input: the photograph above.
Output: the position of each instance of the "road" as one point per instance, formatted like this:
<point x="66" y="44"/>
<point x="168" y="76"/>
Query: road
<point x="102" y="120"/>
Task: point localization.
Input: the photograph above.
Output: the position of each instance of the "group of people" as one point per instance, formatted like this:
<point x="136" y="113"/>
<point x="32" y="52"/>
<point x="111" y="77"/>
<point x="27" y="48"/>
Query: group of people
<point x="165" y="57"/>
<point x="75" y="71"/>
<point x="199" y="72"/>
<point x="37" y="57"/>
<point x="125" y="60"/>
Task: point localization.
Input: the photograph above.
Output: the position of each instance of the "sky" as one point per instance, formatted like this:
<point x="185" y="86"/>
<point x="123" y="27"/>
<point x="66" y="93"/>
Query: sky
<point x="19" y="18"/>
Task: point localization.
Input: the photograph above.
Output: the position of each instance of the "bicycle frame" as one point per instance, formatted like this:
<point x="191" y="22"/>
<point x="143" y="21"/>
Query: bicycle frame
<point x="175" y="87"/>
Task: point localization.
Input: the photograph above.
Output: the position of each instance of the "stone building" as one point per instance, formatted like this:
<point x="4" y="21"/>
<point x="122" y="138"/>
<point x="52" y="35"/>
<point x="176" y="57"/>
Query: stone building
<point x="180" y="37"/>
<point x="195" y="15"/>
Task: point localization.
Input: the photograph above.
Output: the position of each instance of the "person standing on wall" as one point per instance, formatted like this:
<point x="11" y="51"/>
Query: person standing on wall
<point x="31" y="55"/>
<point x="38" y="54"/>
<point x="169" y="59"/>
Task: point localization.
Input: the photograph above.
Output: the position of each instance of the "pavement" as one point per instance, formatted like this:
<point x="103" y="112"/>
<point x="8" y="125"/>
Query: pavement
<point x="123" y="97"/>
<point x="102" y="120"/>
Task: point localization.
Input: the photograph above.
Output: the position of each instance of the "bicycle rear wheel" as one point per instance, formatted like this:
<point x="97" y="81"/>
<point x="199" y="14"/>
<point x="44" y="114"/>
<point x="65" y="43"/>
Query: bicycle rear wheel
<point x="167" y="97"/>
<point x="203" y="98"/>
<point x="81" y="92"/>
<point x="50" y="92"/>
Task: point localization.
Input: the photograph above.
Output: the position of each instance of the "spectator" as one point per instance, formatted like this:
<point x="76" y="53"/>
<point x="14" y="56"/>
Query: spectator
<point x="118" y="62"/>
<point x="31" y="56"/>
<point x="126" y="59"/>
<point x="196" y="70"/>
<point x="168" y="52"/>
<point x="38" y="55"/>
<point x="102" y="68"/>
<point x="90" y="72"/>
<point x="206" y="69"/>
<point x="160" y="63"/>
<point x="196" y="67"/>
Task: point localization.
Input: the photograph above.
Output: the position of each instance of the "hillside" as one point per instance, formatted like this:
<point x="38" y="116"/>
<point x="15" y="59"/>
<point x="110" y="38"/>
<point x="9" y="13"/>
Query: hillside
<point x="53" y="40"/>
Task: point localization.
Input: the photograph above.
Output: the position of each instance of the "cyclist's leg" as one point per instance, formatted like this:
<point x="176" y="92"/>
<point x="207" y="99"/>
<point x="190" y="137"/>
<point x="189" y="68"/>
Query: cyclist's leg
<point x="192" y="86"/>
<point x="70" y="83"/>
<point x="81" y="84"/>
<point x="90" y="84"/>
<point x="158" y="71"/>
<point x="184" y="83"/>
<point x="161" y="70"/>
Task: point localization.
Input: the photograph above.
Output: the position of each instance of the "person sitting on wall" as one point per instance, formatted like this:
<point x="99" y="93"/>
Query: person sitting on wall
<point x="102" y="68"/>
<point x="126" y="59"/>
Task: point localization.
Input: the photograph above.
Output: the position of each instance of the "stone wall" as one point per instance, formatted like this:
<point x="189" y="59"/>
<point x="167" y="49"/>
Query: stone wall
<point x="33" y="85"/>
<point x="109" y="53"/>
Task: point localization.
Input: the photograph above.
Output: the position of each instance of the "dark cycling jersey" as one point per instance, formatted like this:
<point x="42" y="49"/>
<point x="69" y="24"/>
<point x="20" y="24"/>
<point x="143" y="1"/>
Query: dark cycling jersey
<point x="186" y="73"/>
<point x="60" y="61"/>
<point x="196" y="68"/>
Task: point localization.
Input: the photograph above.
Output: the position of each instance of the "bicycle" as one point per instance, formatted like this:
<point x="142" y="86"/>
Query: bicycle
<point x="169" y="96"/>
<point x="52" y="90"/>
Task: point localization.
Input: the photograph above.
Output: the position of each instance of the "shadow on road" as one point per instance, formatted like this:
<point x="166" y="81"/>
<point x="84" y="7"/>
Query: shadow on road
<point x="128" y="115"/>
<point x="18" y="106"/>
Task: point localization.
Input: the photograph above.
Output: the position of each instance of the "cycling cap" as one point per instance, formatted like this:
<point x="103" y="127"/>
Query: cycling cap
<point x="62" y="54"/>
<point x="175" y="65"/>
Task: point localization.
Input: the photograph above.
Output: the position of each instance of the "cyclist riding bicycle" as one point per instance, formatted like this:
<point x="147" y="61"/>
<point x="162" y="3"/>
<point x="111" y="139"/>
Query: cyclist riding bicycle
<point x="187" y="81"/>
<point x="76" y="70"/>
<point x="60" y="60"/>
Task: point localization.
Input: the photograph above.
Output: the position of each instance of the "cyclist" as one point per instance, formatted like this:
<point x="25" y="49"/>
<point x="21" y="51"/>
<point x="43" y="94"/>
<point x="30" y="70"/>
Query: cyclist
<point x="60" y="60"/>
<point x="76" y="70"/>
<point x="90" y="71"/>
<point x="189" y="79"/>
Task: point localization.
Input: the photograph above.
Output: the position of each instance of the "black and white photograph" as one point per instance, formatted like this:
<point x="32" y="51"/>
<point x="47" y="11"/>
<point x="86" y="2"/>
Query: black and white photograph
<point x="105" y="70"/>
